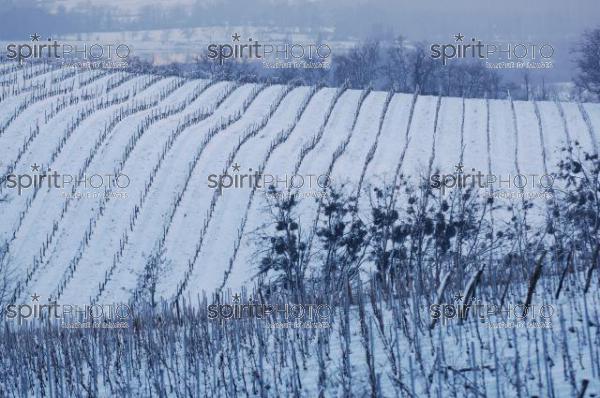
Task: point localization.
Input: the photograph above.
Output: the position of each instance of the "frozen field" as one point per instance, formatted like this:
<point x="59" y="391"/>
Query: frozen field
<point x="165" y="137"/>
<point x="110" y="180"/>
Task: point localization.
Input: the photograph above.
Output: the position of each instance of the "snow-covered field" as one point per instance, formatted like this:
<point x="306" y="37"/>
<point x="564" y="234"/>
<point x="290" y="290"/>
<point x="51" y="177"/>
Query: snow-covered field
<point x="168" y="135"/>
<point x="130" y="164"/>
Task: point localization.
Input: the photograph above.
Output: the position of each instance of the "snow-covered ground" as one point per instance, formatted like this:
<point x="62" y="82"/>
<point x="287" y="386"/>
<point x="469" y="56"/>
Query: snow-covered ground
<point x="73" y="248"/>
<point x="93" y="239"/>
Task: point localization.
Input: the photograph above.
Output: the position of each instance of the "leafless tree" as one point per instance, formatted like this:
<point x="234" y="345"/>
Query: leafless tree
<point x="588" y="62"/>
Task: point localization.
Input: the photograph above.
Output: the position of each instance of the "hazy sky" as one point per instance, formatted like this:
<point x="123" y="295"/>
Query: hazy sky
<point x="518" y="18"/>
<point x="417" y="19"/>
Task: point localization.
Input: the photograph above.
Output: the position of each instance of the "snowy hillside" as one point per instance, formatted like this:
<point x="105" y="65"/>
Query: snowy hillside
<point x="392" y="210"/>
<point x="166" y="136"/>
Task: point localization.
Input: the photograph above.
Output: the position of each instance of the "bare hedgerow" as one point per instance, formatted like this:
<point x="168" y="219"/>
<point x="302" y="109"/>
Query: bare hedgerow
<point x="343" y="238"/>
<point x="6" y="276"/>
<point x="283" y="247"/>
<point x="156" y="265"/>
<point x="577" y="211"/>
<point x="417" y="230"/>
<point x="588" y="49"/>
<point x="6" y="273"/>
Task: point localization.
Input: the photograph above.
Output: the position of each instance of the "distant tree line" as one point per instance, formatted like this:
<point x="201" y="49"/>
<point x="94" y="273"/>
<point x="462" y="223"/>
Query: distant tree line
<point x="380" y="64"/>
<point x="400" y="66"/>
<point x="386" y="62"/>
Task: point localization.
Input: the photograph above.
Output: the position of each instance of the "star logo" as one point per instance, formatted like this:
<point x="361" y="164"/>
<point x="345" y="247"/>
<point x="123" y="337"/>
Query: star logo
<point x="35" y="37"/>
<point x="35" y="167"/>
<point x="458" y="297"/>
<point x="236" y="298"/>
<point x="35" y="297"/>
<point x="459" y="37"/>
<point x="459" y="168"/>
<point x="236" y="167"/>
<point x="236" y="37"/>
